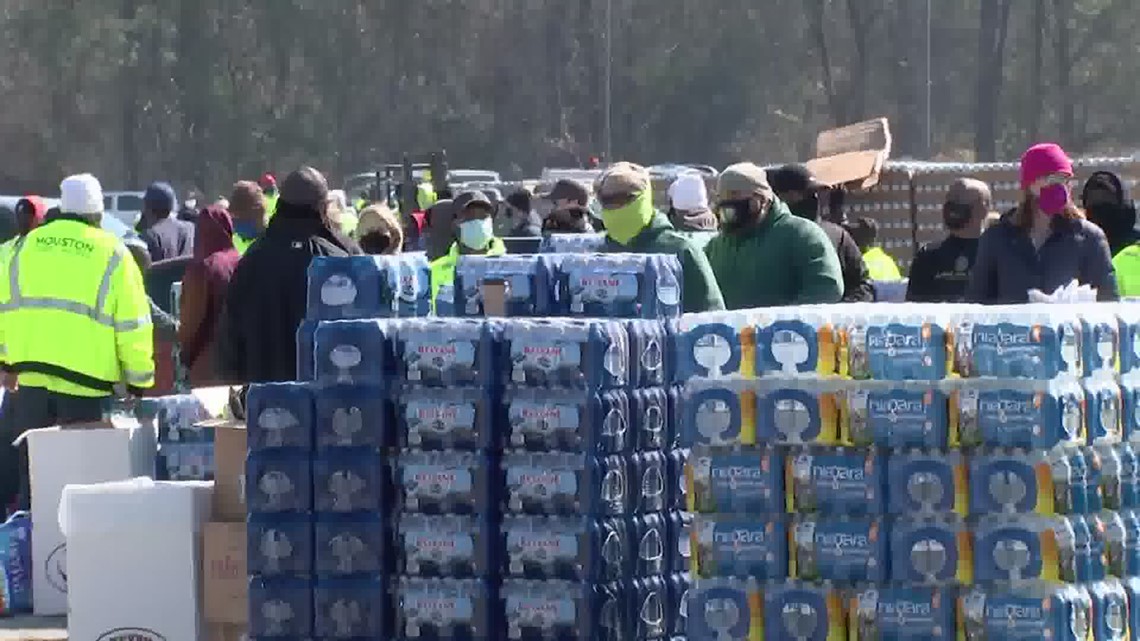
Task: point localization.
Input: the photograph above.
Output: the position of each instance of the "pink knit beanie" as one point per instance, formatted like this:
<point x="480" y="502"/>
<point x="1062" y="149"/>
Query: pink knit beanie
<point x="1041" y="160"/>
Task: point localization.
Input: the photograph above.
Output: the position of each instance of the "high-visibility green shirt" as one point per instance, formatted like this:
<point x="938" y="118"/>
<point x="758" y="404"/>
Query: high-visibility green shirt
<point x="443" y="268"/>
<point x="880" y="265"/>
<point x="74" y="313"/>
<point x="270" y="207"/>
<point x="1127" y="266"/>
<point x="241" y="243"/>
<point x="425" y="196"/>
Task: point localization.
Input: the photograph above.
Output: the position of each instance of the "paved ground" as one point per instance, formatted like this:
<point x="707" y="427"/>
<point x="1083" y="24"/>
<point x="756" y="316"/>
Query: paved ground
<point x="33" y="629"/>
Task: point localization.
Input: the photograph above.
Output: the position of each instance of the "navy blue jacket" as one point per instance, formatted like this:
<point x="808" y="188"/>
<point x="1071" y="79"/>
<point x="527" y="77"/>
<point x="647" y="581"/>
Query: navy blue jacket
<point x="1008" y="265"/>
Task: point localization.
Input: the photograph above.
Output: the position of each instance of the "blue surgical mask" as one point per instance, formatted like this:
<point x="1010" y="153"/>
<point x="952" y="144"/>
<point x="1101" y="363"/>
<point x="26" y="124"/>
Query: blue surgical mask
<point x="476" y="234"/>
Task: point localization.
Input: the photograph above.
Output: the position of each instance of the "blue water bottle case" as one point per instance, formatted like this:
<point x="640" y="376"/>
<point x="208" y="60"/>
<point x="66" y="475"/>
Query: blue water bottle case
<point x="355" y="287"/>
<point x="567" y="420"/>
<point x="449" y="418"/>
<point x="353" y="416"/>
<point x="571" y="353"/>
<point x="280" y="415"/>
<point x="354" y="352"/>
<point x="528" y="278"/>
<point x="445" y="352"/>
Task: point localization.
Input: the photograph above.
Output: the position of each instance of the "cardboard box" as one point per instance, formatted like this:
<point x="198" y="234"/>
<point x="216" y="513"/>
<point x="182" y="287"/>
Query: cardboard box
<point x="134" y="557"/>
<point x="226" y="584"/>
<point x="229" y="470"/>
<point x="224" y="632"/>
<point x="59" y="457"/>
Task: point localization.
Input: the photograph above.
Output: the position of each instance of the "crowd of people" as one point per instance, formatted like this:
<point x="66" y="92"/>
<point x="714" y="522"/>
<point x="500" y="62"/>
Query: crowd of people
<point x="77" y="326"/>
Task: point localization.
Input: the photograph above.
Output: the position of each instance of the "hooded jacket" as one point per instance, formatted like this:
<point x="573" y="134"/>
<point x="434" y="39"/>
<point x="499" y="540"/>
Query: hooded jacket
<point x="699" y="289"/>
<point x="782" y="260"/>
<point x="266" y="301"/>
<point x="204" y="287"/>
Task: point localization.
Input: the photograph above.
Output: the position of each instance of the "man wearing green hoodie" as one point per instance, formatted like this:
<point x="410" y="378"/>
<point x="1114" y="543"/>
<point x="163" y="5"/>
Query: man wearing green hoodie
<point x="765" y="256"/>
<point x="632" y="225"/>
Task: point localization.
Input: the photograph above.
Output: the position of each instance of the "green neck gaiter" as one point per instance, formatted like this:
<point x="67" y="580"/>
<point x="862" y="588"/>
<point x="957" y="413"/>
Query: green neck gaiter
<point x="624" y="224"/>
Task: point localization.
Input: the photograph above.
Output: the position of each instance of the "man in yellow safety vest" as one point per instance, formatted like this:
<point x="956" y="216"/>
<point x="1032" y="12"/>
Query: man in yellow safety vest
<point x="473" y="211"/>
<point x="75" y="320"/>
<point x="879" y="263"/>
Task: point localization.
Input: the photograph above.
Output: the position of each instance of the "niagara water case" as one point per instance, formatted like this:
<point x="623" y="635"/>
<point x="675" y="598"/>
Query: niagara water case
<point x="354" y="352"/>
<point x="579" y="549"/>
<point x="353" y="287"/>
<point x="442" y="482"/>
<point x="570" y="353"/>
<point x="926" y="483"/>
<point x="849" y="550"/>
<point x="726" y="609"/>
<point x="1013" y="413"/>
<point x="565" y="484"/>
<point x="893" y="343"/>
<point x="834" y="481"/>
<point x="1025" y="547"/>
<point x="1110" y="609"/>
<point x="796" y="611"/>
<point x="893" y="414"/>
<point x="350" y="607"/>
<point x="651" y="545"/>
<point x="1020" y="341"/>
<point x="572" y="243"/>
<point x="739" y="545"/>
<point x="279" y="415"/>
<point x="712" y="345"/>
<point x="1026" y="613"/>
<point x="797" y="412"/>
<point x="280" y="607"/>
<point x="931" y="550"/>
<point x="443" y="609"/>
<point x="1130" y="405"/>
<point x="529" y="291"/>
<point x="448" y="352"/>
<point x="353" y="416"/>
<point x="1104" y="403"/>
<point x="1010" y="481"/>
<point x="746" y="480"/>
<point x="551" y="420"/>
<point x="716" y="413"/>
<point x="279" y="481"/>
<point x="350" y="479"/>
<point x="449" y="418"/>
<point x="901" y="613"/>
<point x="280" y="544"/>
<point x="350" y="544"/>
<point x="795" y="341"/>
<point x="619" y="285"/>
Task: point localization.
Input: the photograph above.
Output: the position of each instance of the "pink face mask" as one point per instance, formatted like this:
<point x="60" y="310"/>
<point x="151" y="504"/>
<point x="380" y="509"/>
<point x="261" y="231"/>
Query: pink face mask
<point x="1053" y="198"/>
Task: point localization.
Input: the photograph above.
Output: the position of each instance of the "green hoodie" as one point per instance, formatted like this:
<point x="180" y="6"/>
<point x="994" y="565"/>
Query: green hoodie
<point x="783" y="260"/>
<point x="699" y="289"/>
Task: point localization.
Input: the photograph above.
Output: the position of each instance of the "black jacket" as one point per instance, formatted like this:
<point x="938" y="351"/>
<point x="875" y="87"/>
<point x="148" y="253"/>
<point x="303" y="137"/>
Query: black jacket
<point x="257" y="339"/>
<point x="940" y="271"/>
<point x="169" y="238"/>
<point x="857" y="286"/>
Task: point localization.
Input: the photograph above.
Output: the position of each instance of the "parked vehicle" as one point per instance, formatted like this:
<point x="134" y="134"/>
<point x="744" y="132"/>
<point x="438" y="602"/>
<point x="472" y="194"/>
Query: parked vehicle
<point x="124" y="205"/>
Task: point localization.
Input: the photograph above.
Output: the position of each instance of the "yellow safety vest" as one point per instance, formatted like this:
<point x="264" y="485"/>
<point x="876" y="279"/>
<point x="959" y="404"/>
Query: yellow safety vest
<point x="1127" y="266"/>
<point x="74" y="314"/>
<point x="880" y="265"/>
<point x="241" y="243"/>
<point x="425" y="195"/>
<point x="443" y="268"/>
<point x="270" y="207"/>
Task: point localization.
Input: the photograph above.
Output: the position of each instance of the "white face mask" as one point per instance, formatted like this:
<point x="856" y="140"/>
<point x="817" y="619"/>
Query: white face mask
<point x="191" y="204"/>
<point x="476" y="234"/>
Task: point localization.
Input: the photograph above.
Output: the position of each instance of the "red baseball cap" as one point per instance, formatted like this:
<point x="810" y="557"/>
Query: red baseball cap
<point x="266" y="181"/>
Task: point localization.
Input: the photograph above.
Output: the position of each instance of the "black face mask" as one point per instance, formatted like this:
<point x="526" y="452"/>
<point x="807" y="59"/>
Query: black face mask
<point x="735" y="215"/>
<point x="806" y="208"/>
<point x="956" y="215"/>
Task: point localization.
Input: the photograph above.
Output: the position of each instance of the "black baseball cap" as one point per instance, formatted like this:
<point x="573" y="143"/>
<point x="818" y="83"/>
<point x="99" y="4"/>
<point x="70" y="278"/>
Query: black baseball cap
<point x="567" y="189"/>
<point x="794" y="177"/>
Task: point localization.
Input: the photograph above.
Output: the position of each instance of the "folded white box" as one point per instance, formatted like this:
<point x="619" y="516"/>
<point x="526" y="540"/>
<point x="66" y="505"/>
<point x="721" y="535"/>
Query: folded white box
<point x="134" y="558"/>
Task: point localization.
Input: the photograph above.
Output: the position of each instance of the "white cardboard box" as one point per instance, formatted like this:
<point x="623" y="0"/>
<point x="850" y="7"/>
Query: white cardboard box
<point x="134" y="558"/>
<point x="58" y="457"/>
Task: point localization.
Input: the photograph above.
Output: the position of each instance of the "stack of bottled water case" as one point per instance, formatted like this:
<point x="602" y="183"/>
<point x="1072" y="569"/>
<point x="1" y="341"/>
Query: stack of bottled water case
<point x="912" y="472"/>
<point x="185" y="447"/>
<point x="318" y="473"/>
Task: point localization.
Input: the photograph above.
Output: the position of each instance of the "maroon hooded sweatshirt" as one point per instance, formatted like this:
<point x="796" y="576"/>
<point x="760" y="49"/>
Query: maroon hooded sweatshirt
<point x="204" y="291"/>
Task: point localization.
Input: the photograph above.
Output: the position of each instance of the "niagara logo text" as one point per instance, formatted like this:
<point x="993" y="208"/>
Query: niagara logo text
<point x="737" y="472"/>
<point x="888" y="340"/>
<point x="896" y="406"/>
<point x="841" y="540"/>
<point x="1004" y="406"/>
<point x="1003" y="338"/>
<point x="910" y="608"/>
<point x="838" y="473"/>
<point x="1012" y="611"/>
<point x="748" y="537"/>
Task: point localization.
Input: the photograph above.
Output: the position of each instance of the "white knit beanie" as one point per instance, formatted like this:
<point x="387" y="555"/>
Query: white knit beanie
<point x="688" y="193"/>
<point x="81" y="194"/>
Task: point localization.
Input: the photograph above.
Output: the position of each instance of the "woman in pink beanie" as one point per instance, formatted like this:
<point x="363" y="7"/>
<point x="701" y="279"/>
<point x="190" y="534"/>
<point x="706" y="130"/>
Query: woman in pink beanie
<point x="1045" y="242"/>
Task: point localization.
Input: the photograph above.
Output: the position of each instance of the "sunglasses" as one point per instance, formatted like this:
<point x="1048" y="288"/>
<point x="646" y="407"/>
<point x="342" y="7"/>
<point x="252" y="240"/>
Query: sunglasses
<point x="615" y="201"/>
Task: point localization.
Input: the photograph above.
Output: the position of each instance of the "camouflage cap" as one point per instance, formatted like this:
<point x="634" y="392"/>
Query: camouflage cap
<point x="622" y="179"/>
